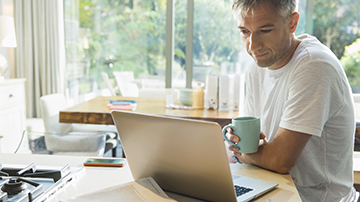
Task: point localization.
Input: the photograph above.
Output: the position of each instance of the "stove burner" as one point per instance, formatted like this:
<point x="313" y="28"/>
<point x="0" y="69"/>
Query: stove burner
<point x="29" y="184"/>
<point x="14" y="186"/>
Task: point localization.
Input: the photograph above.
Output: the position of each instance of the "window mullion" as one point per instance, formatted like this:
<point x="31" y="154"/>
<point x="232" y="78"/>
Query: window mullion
<point x="170" y="23"/>
<point x="309" y="16"/>
<point x="189" y="43"/>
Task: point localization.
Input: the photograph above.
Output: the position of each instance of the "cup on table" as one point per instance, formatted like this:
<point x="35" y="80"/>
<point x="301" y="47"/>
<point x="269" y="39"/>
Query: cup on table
<point x="248" y="130"/>
<point x="169" y="97"/>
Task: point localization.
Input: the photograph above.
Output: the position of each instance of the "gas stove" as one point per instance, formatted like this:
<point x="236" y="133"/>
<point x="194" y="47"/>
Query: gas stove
<point x="28" y="183"/>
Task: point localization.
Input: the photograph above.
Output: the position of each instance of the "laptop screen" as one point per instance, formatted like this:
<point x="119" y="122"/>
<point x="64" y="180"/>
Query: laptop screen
<point x="184" y="156"/>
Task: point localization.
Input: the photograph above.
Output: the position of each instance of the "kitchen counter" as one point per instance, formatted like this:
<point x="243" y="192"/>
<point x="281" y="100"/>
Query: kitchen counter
<point x="97" y="178"/>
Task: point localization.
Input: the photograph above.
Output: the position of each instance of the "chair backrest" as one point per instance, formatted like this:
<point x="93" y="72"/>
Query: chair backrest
<point x="158" y="92"/>
<point x="124" y="80"/>
<point x="152" y="83"/>
<point x="50" y="105"/>
<point x="106" y="79"/>
<point x="75" y="142"/>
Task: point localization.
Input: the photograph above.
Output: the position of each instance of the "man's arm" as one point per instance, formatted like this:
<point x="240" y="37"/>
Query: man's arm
<point x="280" y="155"/>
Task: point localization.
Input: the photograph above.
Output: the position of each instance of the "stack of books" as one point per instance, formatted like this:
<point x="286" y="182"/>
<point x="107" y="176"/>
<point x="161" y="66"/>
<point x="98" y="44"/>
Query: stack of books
<point x="122" y="104"/>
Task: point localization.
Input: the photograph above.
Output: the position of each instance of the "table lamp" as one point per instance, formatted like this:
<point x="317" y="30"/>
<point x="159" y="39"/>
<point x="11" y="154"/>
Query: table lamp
<point x="7" y="39"/>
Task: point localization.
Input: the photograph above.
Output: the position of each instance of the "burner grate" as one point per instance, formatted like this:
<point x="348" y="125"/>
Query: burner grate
<point x="29" y="183"/>
<point x="31" y="171"/>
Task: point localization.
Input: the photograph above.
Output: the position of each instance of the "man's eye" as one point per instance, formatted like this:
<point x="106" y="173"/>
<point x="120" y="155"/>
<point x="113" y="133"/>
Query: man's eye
<point x="266" y="31"/>
<point x="244" y="31"/>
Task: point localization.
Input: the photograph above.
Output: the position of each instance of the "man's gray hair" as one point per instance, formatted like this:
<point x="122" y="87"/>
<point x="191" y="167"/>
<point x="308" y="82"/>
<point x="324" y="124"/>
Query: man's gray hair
<point x="283" y="7"/>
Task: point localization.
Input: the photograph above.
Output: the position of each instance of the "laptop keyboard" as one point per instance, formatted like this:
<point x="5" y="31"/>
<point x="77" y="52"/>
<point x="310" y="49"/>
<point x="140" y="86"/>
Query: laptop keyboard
<point x="241" y="190"/>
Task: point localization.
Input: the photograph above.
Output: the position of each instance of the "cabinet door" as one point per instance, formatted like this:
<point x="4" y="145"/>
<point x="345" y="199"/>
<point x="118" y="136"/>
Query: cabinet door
<point x="12" y="122"/>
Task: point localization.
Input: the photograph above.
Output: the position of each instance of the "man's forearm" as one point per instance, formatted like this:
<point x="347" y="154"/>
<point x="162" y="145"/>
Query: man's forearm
<point x="265" y="161"/>
<point x="279" y="155"/>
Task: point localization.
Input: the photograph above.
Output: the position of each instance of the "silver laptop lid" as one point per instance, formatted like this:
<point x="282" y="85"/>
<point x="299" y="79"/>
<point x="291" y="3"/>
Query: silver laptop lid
<point x="183" y="156"/>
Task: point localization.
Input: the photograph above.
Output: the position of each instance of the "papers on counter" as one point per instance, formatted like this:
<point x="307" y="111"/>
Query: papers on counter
<point x="172" y="106"/>
<point x="145" y="189"/>
<point x="122" y="104"/>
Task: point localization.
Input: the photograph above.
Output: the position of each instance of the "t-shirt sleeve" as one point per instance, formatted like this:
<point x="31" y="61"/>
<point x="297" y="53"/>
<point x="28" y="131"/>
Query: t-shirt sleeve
<point x="315" y="93"/>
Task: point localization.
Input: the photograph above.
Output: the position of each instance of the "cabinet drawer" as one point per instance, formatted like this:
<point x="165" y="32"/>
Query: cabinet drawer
<point x="12" y="95"/>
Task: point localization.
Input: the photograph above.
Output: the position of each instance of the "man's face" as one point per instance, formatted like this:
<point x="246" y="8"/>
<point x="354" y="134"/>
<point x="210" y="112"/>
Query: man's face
<point x="266" y="36"/>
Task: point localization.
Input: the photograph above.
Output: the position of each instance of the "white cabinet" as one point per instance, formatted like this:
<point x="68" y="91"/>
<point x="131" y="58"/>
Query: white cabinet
<point x="12" y="114"/>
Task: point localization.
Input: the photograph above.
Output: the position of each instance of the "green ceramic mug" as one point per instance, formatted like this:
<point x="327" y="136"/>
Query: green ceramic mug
<point x="248" y="130"/>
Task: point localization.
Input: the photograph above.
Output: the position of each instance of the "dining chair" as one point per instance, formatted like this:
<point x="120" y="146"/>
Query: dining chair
<point x="152" y="83"/>
<point x="158" y="92"/>
<point x="50" y="105"/>
<point x="125" y="81"/>
<point x="106" y="79"/>
<point x="80" y="144"/>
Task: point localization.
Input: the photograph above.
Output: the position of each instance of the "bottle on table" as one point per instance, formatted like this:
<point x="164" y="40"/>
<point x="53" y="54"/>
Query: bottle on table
<point x="198" y="97"/>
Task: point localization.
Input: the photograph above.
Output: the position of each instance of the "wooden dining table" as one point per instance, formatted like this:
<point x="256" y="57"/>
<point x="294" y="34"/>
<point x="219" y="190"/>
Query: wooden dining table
<point x="95" y="111"/>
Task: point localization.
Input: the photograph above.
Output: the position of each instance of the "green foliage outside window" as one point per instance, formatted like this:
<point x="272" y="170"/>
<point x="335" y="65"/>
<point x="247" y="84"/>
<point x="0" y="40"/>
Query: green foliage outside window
<point x="337" y="23"/>
<point x="351" y="64"/>
<point x="123" y="35"/>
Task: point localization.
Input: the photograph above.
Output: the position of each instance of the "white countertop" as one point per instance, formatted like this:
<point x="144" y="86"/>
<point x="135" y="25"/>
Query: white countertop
<point x="97" y="178"/>
<point x="94" y="178"/>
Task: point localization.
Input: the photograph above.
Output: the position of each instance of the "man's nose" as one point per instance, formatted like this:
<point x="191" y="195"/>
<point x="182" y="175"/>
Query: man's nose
<point x="254" y="43"/>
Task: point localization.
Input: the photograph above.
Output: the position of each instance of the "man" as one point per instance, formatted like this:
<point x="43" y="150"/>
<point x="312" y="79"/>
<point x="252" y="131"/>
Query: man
<point x="299" y="90"/>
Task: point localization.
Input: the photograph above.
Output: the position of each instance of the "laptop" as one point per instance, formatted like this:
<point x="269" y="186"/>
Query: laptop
<point x="184" y="156"/>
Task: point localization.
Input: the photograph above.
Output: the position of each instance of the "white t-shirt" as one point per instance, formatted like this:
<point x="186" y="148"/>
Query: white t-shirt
<point x="311" y="95"/>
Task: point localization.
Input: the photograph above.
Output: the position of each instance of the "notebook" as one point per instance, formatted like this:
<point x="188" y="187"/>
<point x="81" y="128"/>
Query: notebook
<point x="184" y="156"/>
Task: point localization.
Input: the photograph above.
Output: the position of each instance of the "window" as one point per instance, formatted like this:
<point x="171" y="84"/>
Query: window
<point x="108" y="36"/>
<point x="217" y="41"/>
<point x="130" y="35"/>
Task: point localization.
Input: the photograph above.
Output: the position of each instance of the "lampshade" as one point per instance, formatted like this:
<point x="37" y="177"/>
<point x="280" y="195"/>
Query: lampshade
<point x="7" y="39"/>
<point x="7" y="32"/>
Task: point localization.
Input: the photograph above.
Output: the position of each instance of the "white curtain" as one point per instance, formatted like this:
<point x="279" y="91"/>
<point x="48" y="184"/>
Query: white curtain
<point x="40" y="53"/>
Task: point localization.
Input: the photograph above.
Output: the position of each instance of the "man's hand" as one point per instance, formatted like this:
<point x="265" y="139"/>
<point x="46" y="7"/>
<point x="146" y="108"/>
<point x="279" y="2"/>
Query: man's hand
<point x="235" y="139"/>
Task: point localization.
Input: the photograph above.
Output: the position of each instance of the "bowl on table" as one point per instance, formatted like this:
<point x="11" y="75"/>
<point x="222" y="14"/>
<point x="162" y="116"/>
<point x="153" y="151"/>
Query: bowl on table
<point x="186" y="96"/>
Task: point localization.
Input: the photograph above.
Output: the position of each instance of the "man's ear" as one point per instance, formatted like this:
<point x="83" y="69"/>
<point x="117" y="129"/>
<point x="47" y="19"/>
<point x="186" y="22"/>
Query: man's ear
<point x="294" y="21"/>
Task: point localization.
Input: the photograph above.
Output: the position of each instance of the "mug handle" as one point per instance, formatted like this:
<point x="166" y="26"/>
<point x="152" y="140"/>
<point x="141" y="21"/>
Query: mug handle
<point x="224" y="134"/>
